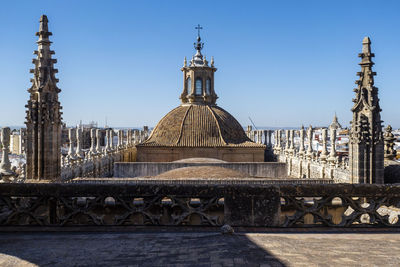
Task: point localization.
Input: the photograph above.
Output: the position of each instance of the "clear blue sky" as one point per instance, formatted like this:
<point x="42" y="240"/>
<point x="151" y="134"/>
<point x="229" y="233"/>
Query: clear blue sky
<point x="283" y="63"/>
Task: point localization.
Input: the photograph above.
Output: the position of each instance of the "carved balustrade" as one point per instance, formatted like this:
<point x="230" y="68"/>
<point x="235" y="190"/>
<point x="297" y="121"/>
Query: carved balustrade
<point x="98" y="161"/>
<point x="295" y="147"/>
<point x="202" y="204"/>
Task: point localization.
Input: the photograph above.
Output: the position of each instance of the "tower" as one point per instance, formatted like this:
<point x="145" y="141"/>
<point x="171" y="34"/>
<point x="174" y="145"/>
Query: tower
<point x="366" y="138"/>
<point x="43" y="116"/>
<point x="198" y="77"/>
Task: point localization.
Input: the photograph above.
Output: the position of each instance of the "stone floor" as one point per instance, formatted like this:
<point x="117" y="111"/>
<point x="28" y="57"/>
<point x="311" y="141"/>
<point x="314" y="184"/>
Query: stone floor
<point x="199" y="248"/>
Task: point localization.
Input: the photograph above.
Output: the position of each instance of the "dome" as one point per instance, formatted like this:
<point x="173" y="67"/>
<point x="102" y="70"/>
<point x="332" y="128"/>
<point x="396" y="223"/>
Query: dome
<point x="198" y="125"/>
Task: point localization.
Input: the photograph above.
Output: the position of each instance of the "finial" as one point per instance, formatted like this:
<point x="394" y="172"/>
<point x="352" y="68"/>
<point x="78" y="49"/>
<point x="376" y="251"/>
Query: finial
<point x="198" y="28"/>
<point x="43" y="24"/>
<point x="212" y="62"/>
<point x="205" y="61"/>
<point x="184" y="62"/>
<point x="198" y="45"/>
<point x="43" y="32"/>
<point x="366" y="45"/>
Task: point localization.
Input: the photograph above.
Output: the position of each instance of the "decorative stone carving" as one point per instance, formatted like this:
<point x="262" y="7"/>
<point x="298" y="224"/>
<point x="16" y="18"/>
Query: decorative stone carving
<point x="332" y="153"/>
<point x="366" y="137"/>
<point x="324" y="151"/>
<point x="71" y="150"/>
<point x="43" y="115"/>
<point x="79" y="151"/>
<point x="5" y="165"/>
<point x="310" y="152"/>
<point x="98" y="143"/>
<point x="390" y="152"/>
<point x="93" y="142"/>
<point x="287" y="144"/>
<point x="301" y="148"/>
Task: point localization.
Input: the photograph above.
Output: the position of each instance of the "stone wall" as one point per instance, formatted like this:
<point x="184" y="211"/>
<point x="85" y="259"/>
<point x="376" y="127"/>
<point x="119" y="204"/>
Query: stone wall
<point x="255" y="169"/>
<point x="167" y="154"/>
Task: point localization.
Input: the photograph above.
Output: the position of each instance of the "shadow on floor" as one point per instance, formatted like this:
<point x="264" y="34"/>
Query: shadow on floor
<point x="131" y="249"/>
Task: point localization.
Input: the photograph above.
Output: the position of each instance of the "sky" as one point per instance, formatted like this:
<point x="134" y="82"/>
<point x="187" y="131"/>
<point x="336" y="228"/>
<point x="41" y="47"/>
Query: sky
<point x="281" y="63"/>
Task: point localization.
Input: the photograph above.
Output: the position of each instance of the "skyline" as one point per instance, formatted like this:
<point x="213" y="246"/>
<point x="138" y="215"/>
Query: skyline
<point x="300" y="71"/>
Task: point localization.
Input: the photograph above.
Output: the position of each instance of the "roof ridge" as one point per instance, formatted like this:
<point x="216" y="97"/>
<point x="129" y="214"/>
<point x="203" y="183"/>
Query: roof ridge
<point x="182" y="123"/>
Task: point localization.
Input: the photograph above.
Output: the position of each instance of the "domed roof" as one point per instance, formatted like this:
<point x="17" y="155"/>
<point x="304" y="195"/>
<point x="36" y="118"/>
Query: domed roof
<point x="197" y="125"/>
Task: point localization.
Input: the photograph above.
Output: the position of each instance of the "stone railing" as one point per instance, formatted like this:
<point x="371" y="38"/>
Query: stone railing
<point x="99" y="160"/>
<point x="251" y="204"/>
<point x="260" y="136"/>
<point x="305" y="162"/>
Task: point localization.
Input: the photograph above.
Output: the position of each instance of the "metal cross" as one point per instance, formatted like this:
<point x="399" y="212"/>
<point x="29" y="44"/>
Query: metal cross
<point x="198" y="28"/>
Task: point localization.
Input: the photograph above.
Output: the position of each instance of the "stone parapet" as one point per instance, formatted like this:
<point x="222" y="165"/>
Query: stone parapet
<point x="145" y="204"/>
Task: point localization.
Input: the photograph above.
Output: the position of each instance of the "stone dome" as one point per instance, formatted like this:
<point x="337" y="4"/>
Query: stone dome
<point x="199" y="125"/>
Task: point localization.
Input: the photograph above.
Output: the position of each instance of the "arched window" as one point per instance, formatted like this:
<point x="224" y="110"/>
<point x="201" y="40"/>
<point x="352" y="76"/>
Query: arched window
<point x="188" y="86"/>
<point x="208" y="86"/>
<point x="199" y="86"/>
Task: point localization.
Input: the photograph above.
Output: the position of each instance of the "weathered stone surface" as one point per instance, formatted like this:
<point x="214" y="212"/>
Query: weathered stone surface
<point x="43" y="115"/>
<point x="366" y="147"/>
<point x="256" y="207"/>
<point x="255" y="169"/>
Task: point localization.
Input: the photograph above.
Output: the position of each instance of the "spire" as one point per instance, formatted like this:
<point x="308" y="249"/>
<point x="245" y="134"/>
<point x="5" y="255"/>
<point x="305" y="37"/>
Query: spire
<point x="366" y="137"/>
<point x="44" y="72"/>
<point x="43" y="32"/>
<point x="43" y="115"/>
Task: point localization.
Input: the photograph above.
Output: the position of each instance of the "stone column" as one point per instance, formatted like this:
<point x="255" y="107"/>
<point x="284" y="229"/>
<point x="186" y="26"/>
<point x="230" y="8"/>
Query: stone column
<point x="98" y="145"/>
<point x="310" y="148"/>
<point x="93" y="141"/>
<point x="129" y="141"/>
<point x="279" y="137"/>
<point x="287" y="137"/>
<point x="324" y="152"/>
<point x="110" y="138"/>
<point x="332" y="153"/>
<point x="79" y="152"/>
<point x="269" y="132"/>
<point x="5" y="165"/>
<point x="71" y="150"/>
<point x="120" y="139"/>
<point x="291" y="141"/>
<point x="107" y="148"/>
<point x="302" y="149"/>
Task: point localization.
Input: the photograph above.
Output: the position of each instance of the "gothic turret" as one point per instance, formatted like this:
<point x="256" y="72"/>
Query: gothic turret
<point x="366" y="139"/>
<point x="198" y="77"/>
<point x="43" y="116"/>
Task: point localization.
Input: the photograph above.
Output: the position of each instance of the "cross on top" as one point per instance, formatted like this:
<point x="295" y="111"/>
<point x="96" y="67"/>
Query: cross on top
<point x="198" y="28"/>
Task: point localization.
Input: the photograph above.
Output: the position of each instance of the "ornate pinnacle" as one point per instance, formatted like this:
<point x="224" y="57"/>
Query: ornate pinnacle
<point x="44" y="71"/>
<point x="43" y="32"/>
